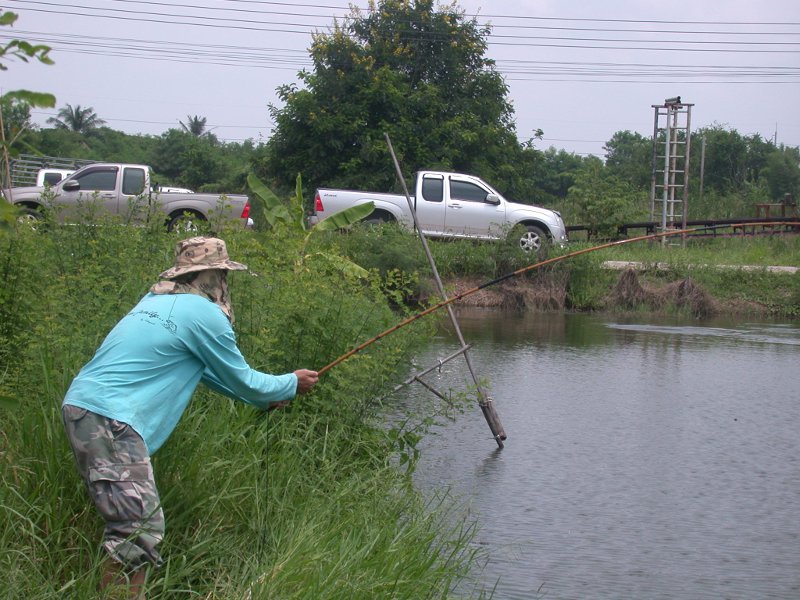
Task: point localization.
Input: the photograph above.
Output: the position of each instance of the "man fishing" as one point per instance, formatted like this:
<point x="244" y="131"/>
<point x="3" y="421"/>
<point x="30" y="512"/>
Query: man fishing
<point x="127" y="400"/>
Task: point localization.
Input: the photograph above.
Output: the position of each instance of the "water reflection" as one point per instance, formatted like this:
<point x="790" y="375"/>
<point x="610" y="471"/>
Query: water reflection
<point x="645" y="459"/>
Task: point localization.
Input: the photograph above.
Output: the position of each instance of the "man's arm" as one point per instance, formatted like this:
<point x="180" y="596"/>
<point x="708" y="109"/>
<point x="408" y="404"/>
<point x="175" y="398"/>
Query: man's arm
<point x="306" y="379"/>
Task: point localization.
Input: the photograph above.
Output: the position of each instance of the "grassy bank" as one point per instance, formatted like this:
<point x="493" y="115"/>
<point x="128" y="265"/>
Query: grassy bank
<point x="582" y="283"/>
<point x="308" y="502"/>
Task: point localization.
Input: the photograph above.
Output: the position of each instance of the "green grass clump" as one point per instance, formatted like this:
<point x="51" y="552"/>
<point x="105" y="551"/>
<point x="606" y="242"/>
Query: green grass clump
<point x="739" y="250"/>
<point x="308" y="502"/>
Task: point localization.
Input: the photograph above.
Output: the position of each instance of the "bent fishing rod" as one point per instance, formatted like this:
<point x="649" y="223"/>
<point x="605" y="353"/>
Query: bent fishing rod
<point x="525" y="269"/>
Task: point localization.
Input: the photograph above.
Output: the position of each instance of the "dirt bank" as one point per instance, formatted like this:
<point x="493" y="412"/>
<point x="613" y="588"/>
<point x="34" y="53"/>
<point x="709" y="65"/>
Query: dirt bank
<point x="630" y="292"/>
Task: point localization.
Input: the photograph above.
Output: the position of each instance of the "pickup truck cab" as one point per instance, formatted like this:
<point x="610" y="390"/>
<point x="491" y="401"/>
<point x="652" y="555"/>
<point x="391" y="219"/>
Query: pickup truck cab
<point x="49" y="176"/>
<point x="124" y="189"/>
<point x="452" y="205"/>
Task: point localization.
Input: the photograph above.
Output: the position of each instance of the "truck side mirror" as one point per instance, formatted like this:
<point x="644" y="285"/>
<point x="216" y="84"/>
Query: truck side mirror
<point x="71" y="185"/>
<point x="492" y="198"/>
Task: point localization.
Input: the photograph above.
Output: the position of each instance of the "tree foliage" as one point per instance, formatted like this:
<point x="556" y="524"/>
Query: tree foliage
<point x="15" y="105"/>
<point x="24" y="51"/>
<point x="603" y="201"/>
<point x="629" y="157"/>
<point x="77" y="119"/>
<point x="186" y="159"/>
<point x="195" y="125"/>
<point x="555" y="174"/>
<point x="782" y="172"/>
<point x="404" y="68"/>
<point x="16" y="116"/>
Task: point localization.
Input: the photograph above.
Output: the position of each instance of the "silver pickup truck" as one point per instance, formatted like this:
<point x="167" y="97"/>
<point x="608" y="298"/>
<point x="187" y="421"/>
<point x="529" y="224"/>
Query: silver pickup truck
<point x="125" y="190"/>
<point x="452" y="205"/>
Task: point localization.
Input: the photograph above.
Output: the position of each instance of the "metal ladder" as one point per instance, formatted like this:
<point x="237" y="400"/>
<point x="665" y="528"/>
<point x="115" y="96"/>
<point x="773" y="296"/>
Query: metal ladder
<point x="669" y="187"/>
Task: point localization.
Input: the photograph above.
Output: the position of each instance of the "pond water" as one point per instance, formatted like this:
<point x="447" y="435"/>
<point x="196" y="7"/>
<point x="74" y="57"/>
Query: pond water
<point x="645" y="458"/>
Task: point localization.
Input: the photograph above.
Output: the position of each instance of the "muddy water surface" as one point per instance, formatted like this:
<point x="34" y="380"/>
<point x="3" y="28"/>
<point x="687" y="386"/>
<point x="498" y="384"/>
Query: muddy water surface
<point x="645" y="459"/>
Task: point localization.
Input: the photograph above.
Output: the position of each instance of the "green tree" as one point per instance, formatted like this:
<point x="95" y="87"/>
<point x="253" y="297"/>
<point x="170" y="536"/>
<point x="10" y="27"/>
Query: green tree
<point x="726" y="166"/>
<point x="188" y="160"/>
<point x="407" y="69"/>
<point x="629" y="156"/>
<point x="782" y="172"/>
<point x="758" y="149"/>
<point x="603" y="201"/>
<point x="556" y="174"/>
<point x="194" y="125"/>
<point x="77" y="119"/>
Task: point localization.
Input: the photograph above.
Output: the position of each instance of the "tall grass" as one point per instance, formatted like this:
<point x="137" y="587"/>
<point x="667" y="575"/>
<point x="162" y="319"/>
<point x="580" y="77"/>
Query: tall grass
<point x="302" y="503"/>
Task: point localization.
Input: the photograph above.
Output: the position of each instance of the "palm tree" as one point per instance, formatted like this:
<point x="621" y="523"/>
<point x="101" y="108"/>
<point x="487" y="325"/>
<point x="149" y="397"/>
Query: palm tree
<point x="77" y="119"/>
<point x="195" y="125"/>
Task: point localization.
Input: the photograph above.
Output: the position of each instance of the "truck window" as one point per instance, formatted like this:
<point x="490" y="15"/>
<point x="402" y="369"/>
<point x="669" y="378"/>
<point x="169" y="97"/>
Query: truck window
<point x="433" y="188"/>
<point x="52" y="178"/>
<point x="102" y="180"/>
<point x="463" y="190"/>
<point x="132" y="181"/>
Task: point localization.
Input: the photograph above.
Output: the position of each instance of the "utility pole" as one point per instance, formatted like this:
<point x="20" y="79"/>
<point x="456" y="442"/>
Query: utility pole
<point x="702" y="165"/>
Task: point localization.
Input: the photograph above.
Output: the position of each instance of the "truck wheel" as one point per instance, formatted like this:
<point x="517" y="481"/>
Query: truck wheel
<point x="534" y="240"/>
<point x="29" y="216"/>
<point x="185" y="222"/>
<point x="377" y="219"/>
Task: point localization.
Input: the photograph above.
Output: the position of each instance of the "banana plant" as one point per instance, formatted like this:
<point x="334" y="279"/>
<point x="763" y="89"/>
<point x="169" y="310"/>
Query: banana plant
<point x="292" y="216"/>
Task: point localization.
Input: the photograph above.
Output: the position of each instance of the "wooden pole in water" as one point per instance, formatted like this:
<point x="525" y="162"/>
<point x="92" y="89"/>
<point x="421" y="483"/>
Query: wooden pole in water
<point x="484" y="400"/>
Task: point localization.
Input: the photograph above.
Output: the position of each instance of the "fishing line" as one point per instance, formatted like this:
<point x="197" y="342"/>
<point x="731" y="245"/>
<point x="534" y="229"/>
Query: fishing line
<point x="522" y="270"/>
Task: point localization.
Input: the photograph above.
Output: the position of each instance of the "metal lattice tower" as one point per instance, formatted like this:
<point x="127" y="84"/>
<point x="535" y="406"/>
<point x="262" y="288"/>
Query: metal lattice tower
<point x="669" y="187"/>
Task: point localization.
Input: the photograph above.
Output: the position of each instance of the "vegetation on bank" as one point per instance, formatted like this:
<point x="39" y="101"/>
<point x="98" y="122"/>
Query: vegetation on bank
<point x="314" y="501"/>
<point x="582" y="283"/>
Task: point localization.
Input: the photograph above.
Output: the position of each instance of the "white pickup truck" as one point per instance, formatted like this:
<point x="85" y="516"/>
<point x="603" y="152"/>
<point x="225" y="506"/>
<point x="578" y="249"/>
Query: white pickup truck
<point x="125" y="189"/>
<point x="452" y="205"/>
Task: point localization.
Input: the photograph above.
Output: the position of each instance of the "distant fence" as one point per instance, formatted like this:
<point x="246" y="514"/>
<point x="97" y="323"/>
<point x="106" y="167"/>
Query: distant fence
<point x="25" y="167"/>
<point x="721" y="227"/>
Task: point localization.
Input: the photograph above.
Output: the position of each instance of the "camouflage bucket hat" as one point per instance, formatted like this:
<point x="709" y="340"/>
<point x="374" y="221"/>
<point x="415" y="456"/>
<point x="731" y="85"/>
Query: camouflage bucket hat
<point x="200" y="254"/>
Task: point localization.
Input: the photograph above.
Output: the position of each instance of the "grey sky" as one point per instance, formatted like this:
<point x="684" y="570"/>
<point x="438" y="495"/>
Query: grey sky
<point x="580" y="70"/>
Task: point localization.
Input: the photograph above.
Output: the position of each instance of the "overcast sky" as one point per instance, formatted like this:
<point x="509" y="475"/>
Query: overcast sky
<point x="579" y="70"/>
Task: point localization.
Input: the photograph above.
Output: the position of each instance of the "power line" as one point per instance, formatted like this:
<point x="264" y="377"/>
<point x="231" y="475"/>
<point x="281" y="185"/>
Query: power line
<point x="282" y="59"/>
<point x="347" y="8"/>
<point x="249" y="24"/>
<point x="655" y="21"/>
<point x="300" y="57"/>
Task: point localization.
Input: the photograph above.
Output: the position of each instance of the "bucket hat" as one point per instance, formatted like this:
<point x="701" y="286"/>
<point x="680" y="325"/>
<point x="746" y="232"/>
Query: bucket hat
<point x="200" y="254"/>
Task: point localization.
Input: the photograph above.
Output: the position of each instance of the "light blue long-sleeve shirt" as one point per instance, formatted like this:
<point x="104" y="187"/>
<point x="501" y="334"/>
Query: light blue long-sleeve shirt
<point x="147" y="368"/>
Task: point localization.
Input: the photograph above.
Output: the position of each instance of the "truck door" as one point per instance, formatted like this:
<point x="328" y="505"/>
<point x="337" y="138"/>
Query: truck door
<point x="132" y="202"/>
<point x="430" y="203"/>
<point x="97" y="191"/>
<point x="469" y="213"/>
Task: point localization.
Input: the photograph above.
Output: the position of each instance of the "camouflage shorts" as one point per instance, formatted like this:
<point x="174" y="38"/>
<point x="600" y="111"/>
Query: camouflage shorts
<point x="113" y="461"/>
